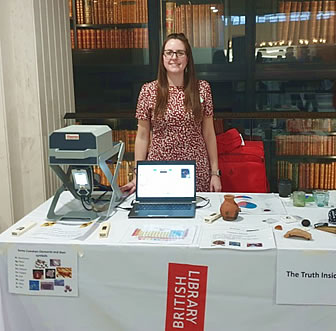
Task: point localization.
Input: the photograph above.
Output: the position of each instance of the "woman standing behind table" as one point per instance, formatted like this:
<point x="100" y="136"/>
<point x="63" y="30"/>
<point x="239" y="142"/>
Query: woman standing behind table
<point x="179" y="111"/>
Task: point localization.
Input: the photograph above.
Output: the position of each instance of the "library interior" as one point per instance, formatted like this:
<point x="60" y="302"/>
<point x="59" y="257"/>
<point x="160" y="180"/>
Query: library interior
<point x="71" y="72"/>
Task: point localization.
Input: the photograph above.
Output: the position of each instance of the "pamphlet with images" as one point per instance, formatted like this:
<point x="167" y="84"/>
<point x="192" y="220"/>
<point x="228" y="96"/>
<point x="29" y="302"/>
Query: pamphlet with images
<point x="42" y="270"/>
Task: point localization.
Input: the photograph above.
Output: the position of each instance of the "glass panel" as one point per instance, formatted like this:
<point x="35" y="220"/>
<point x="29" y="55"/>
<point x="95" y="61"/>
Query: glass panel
<point x="216" y="30"/>
<point x="228" y="96"/>
<point x="111" y="28"/>
<point x="296" y="95"/>
<point x="296" y="31"/>
<point x="98" y="93"/>
<point x="301" y="150"/>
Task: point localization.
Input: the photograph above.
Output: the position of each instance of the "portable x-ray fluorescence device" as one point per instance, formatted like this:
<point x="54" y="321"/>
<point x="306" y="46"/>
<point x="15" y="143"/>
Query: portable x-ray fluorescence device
<point x="73" y="151"/>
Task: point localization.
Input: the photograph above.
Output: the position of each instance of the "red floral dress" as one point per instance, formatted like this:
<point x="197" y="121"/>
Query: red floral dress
<point x="177" y="136"/>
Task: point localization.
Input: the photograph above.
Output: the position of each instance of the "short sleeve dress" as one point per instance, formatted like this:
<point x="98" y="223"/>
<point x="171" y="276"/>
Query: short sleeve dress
<point x="176" y="135"/>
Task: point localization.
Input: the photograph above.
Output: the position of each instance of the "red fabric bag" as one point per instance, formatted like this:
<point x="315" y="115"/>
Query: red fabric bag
<point x="243" y="167"/>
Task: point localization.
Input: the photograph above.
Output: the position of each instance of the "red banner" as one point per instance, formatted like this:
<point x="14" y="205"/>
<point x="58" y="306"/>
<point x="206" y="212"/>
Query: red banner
<point x="186" y="294"/>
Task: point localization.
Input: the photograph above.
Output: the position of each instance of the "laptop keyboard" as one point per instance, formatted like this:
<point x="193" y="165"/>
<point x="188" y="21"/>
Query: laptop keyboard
<point x="182" y="206"/>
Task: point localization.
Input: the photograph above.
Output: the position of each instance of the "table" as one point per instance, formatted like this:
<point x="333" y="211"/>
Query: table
<point x="123" y="287"/>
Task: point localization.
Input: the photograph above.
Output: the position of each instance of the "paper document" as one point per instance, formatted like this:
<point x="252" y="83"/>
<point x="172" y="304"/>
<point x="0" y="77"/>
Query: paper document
<point x="67" y="230"/>
<point x="259" y="204"/>
<point x="163" y="235"/>
<point x="237" y="237"/>
<point x="41" y="269"/>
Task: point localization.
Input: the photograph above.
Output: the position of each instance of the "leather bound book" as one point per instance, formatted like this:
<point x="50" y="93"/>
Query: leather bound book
<point x="189" y="23"/>
<point x="70" y="8"/>
<point x="170" y="17"/>
<point x="280" y="23"/>
<point x="331" y="24"/>
<point x="79" y="39"/>
<point x="196" y="36"/>
<point x="93" y="38"/>
<point x="318" y="21"/>
<point x="324" y="21"/>
<point x="286" y="23"/>
<point x="297" y="23"/>
<point x="304" y="22"/>
<point x="292" y="18"/>
<point x="88" y="11"/>
<point x="207" y="26"/>
<point x="98" y="34"/>
<point x="183" y="27"/>
<point x="202" y="29"/>
<point x="312" y="21"/>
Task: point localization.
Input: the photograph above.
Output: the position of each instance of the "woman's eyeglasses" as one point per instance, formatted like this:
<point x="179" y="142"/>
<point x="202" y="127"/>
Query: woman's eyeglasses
<point x="171" y="53"/>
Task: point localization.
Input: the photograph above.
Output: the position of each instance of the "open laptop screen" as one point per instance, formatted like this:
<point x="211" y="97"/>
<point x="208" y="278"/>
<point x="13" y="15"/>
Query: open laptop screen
<point x="166" y="181"/>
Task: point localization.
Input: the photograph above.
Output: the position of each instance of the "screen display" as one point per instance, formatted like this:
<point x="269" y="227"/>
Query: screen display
<point x="80" y="177"/>
<point x="165" y="181"/>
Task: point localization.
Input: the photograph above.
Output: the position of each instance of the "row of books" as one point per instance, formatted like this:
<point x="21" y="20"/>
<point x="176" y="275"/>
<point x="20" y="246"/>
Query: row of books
<point x="127" y="136"/>
<point x="201" y="24"/>
<point x="110" y="38"/>
<point x="312" y="21"/>
<point x="308" y="176"/>
<point x="305" y="145"/>
<point x="110" y="11"/>
<point x="125" y="174"/>
<point x="311" y="124"/>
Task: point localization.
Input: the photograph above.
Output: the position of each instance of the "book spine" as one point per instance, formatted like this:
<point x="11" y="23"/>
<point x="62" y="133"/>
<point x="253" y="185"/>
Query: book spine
<point x="88" y="11"/>
<point x="305" y="14"/>
<point x="72" y="36"/>
<point x="281" y="20"/>
<point x="183" y="15"/>
<point x="331" y="25"/>
<point x="318" y="19"/>
<point x="170" y="17"/>
<point x="196" y="37"/>
<point x="324" y="22"/>
<point x="189" y="23"/>
<point x="312" y="21"/>
<point x="297" y="24"/>
<point x="70" y="8"/>
<point x="292" y="18"/>
<point x="286" y="23"/>
<point x="322" y="175"/>
<point x="311" y="175"/>
<point x="79" y="39"/>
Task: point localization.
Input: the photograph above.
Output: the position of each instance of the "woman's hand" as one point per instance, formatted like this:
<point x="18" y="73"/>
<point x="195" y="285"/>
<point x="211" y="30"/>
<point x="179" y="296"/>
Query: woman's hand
<point x="128" y="188"/>
<point x="215" y="184"/>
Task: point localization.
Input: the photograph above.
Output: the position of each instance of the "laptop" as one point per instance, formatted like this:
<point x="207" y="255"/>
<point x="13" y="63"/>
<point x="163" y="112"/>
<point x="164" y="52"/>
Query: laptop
<point x="165" y="189"/>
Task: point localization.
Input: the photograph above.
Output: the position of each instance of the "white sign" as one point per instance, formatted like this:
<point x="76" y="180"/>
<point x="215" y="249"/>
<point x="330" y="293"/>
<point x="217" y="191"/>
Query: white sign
<point x="306" y="277"/>
<point x="42" y="270"/>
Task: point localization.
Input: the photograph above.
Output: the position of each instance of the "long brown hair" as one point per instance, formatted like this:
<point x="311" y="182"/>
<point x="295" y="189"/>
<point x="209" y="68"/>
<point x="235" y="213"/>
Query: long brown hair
<point x="191" y="85"/>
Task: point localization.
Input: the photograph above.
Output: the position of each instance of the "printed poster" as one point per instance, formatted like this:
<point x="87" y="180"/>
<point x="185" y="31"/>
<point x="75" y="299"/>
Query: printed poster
<point x="306" y="277"/>
<point x="42" y="270"/>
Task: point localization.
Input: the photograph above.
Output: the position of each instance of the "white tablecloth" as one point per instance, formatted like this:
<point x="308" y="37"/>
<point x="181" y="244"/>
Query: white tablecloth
<point x="123" y="287"/>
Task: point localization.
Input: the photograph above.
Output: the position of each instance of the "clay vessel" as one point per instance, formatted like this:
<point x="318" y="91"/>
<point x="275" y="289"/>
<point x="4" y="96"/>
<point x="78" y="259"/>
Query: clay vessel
<point x="229" y="209"/>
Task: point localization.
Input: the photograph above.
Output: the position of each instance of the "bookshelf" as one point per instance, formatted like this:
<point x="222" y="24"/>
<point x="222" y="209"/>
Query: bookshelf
<point x="109" y="24"/>
<point x="261" y="58"/>
<point x="306" y="154"/>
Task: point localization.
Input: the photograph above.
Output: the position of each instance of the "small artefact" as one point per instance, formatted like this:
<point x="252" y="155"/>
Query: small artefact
<point x="229" y="208"/>
<point x="298" y="233"/>
<point x="278" y="227"/>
